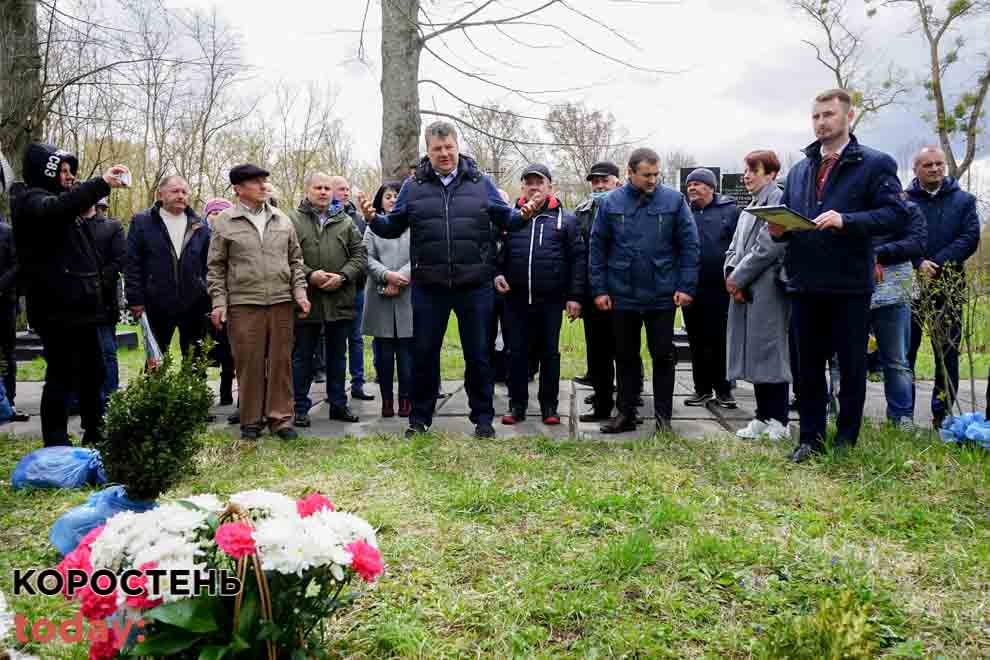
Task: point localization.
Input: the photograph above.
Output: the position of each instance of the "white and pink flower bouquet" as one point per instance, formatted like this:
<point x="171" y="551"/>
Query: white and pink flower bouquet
<point x="258" y="576"/>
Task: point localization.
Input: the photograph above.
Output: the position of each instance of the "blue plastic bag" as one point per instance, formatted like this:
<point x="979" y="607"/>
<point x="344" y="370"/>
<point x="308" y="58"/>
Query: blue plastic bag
<point x="972" y="427"/>
<point x="76" y="523"/>
<point x="59" y="467"/>
<point x="6" y="410"/>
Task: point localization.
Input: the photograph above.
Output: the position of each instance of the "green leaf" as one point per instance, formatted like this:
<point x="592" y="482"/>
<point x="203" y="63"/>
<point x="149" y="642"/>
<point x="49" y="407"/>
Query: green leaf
<point x="166" y="643"/>
<point x="249" y="614"/>
<point x="192" y="614"/>
<point x="213" y="652"/>
<point x="238" y="644"/>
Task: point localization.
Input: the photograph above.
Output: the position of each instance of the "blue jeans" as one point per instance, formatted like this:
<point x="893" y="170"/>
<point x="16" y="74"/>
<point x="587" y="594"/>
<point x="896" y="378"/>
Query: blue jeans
<point x="355" y="344"/>
<point x="947" y="379"/>
<point x="108" y="345"/>
<point x="307" y="335"/>
<point x="390" y="352"/>
<point x="474" y="306"/>
<point x="892" y="328"/>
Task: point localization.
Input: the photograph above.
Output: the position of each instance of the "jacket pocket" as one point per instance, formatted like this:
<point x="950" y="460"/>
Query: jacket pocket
<point x="619" y="278"/>
<point x="83" y="291"/>
<point x="663" y="274"/>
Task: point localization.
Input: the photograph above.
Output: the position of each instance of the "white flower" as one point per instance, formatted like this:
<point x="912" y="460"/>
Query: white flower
<point x="177" y="519"/>
<point x="166" y="548"/>
<point x="283" y="545"/>
<point x="266" y="502"/>
<point x="341" y="528"/>
<point x="206" y="501"/>
<point x="122" y="533"/>
<point x="186" y="567"/>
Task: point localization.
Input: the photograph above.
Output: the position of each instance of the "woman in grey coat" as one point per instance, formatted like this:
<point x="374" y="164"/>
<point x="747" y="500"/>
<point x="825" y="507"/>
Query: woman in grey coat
<point x="388" y="307"/>
<point x="760" y="311"/>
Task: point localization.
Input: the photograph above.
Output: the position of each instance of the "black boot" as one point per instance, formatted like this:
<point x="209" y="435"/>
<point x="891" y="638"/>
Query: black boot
<point x="226" y="390"/>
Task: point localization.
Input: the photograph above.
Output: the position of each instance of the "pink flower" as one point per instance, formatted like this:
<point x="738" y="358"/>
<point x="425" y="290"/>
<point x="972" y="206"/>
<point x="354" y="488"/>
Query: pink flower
<point x="95" y="606"/>
<point x="104" y="647"/>
<point x="77" y="559"/>
<point x="235" y="539"/>
<point x="310" y="504"/>
<point x="142" y="601"/>
<point x="365" y="560"/>
<point x="93" y="534"/>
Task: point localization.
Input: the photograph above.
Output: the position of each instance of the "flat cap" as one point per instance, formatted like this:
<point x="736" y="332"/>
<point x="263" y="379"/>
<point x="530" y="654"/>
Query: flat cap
<point x="246" y="172"/>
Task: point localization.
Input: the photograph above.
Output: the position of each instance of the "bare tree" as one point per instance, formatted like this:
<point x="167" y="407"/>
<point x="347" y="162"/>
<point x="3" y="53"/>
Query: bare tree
<point x="20" y="78"/>
<point x="957" y="118"/>
<point x="841" y="50"/>
<point x="585" y="136"/>
<point x="672" y="161"/>
<point x="492" y="135"/>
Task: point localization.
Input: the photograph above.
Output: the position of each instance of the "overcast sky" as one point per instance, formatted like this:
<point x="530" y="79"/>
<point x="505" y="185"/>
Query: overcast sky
<point x="745" y="79"/>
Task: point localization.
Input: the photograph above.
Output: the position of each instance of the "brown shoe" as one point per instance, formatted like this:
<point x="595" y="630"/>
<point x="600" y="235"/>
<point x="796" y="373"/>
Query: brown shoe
<point x="405" y="407"/>
<point x="621" y="423"/>
<point x="388" y="409"/>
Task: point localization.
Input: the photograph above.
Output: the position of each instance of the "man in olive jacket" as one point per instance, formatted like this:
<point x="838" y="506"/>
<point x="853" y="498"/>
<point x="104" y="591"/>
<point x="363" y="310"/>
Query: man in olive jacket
<point x="334" y="261"/>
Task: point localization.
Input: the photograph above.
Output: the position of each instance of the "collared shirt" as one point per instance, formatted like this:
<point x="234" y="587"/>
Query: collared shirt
<point x="829" y="161"/>
<point x="448" y="179"/>
<point x="935" y="192"/>
<point x="838" y="152"/>
<point x="259" y="219"/>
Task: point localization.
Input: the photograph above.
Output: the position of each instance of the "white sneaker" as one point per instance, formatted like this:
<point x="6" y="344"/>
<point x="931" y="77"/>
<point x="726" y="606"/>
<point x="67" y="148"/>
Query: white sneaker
<point x="753" y="430"/>
<point x="776" y="431"/>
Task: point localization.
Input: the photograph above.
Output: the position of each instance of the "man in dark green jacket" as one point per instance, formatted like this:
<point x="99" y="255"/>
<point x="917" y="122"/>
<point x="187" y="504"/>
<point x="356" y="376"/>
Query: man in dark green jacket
<point x="334" y="259"/>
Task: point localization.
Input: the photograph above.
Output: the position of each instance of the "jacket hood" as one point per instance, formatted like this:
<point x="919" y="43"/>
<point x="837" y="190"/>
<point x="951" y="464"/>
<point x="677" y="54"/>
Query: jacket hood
<point x="720" y="200"/>
<point x="42" y="163"/>
<point x="465" y="165"/>
<point x="335" y="212"/>
<point x="551" y="203"/>
<point x="949" y="185"/>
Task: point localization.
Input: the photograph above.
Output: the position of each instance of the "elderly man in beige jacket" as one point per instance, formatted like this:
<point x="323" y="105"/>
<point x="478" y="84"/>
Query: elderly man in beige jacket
<point x="256" y="278"/>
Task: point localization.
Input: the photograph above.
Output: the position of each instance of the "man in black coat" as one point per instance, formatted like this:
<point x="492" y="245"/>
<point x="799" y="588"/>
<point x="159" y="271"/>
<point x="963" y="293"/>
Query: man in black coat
<point x="111" y="243"/>
<point x="716" y="217"/>
<point x="61" y="276"/>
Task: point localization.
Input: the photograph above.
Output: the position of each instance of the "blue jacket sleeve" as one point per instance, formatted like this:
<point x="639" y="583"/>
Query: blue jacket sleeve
<point x="965" y="244"/>
<point x="600" y="246"/>
<point x="577" y="259"/>
<point x="501" y="214"/>
<point x="134" y="277"/>
<point x="396" y="222"/>
<point x="688" y="250"/>
<point x="910" y="245"/>
<point x="887" y="212"/>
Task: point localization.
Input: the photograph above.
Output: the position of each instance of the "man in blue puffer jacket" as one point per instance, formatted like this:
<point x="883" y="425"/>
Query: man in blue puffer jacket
<point x="544" y="268"/>
<point x="953" y="236"/>
<point x="453" y="213"/>
<point x="644" y="264"/>
<point x="852" y="193"/>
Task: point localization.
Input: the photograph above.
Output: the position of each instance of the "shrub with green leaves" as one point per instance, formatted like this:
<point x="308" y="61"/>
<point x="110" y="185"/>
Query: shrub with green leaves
<point x="154" y="427"/>
<point x="842" y="628"/>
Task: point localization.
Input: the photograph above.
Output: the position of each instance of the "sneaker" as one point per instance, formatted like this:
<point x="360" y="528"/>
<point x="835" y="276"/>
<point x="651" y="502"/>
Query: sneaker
<point x="583" y="380"/>
<point x="726" y="401"/>
<point x="359" y="394"/>
<point x="776" y="431"/>
<point x="416" y="429"/>
<point x="287" y="433"/>
<point x="906" y="424"/>
<point x="698" y="399"/>
<point x="302" y="421"/>
<point x="250" y="433"/>
<point x="753" y="430"/>
<point x="513" y="417"/>
<point x="553" y="419"/>
<point x="484" y="431"/>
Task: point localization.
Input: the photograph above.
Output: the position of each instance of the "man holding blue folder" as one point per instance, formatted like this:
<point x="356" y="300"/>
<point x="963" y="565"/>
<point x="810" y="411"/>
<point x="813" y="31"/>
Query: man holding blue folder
<point x="851" y="192"/>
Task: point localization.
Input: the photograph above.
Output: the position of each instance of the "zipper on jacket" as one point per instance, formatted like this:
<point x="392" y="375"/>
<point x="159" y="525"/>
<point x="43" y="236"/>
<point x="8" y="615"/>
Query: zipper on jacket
<point x="446" y="220"/>
<point x="529" y="266"/>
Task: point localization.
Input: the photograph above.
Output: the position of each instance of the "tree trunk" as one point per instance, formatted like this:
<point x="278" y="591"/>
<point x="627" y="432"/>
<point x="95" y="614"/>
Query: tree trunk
<point x="401" y="48"/>
<point x="21" y="117"/>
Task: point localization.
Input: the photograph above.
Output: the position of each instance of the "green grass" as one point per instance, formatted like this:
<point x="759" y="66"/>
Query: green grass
<point x="646" y="548"/>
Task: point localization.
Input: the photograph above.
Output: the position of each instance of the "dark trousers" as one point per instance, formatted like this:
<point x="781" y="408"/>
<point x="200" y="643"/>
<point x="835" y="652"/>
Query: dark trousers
<point x="771" y="402"/>
<point x="191" y="327"/>
<point x="626" y="327"/>
<point x="432" y="306"/>
<point x="108" y="349"/>
<point x="792" y="346"/>
<point x="600" y="345"/>
<point x="222" y="354"/>
<point x="355" y="344"/>
<point x="307" y="340"/>
<point x="706" y="320"/>
<point x="8" y="340"/>
<point x="827" y="325"/>
<point x="950" y="329"/>
<point x="393" y="352"/>
<point x="533" y="330"/>
<point x="499" y="358"/>
<point x="72" y="355"/>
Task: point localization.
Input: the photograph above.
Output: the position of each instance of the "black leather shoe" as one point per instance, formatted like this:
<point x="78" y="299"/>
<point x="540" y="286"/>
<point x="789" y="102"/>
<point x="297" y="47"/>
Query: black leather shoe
<point x="802" y="453"/>
<point x="726" y="401"/>
<point x="286" y="434"/>
<point x="361" y="395"/>
<point x="302" y="421"/>
<point x="20" y="416"/>
<point x="698" y="399"/>
<point x="250" y="433"/>
<point x="590" y="399"/>
<point x="594" y="416"/>
<point x="416" y="429"/>
<point x="486" y="431"/>
<point x="234" y="417"/>
<point x="621" y="423"/>
<point x="583" y="380"/>
<point x="343" y="415"/>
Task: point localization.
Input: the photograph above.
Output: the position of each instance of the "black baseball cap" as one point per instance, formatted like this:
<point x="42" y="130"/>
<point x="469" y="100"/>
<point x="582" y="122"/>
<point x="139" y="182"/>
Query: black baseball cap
<point x="537" y="168"/>
<point x="603" y="168"/>
<point x="246" y="172"/>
